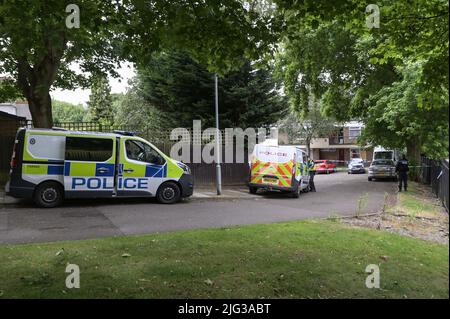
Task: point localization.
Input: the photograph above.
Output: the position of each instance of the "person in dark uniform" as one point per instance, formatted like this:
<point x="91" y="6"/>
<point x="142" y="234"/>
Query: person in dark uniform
<point x="312" y="173"/>
<point x="402" y="170"/>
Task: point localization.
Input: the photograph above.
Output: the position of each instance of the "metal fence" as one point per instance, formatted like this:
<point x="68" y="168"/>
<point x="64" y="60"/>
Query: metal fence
<point x="435" y="173"/>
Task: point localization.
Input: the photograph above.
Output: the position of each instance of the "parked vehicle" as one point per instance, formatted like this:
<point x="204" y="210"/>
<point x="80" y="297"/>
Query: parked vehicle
<point x="356" y="166"/>
<point x="50" y="165"/>
<point x="383" y="169"/>
<point x="380" y="153"/>
<point x="278" y="168"/>
<point x="324" y="166"/>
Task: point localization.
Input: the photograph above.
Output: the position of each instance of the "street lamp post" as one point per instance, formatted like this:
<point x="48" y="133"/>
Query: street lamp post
<point x="218" y="146"/>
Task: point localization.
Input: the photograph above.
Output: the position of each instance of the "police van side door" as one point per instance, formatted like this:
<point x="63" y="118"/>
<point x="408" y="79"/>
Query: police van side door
<point x="141" y="168"/>
<point x="89" y="166"/>
<point x="302" y="169"/>
<point x="298" y="165"/>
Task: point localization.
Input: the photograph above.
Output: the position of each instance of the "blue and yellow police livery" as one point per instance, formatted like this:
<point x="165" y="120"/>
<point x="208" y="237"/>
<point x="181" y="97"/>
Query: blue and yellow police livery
<point x="50" y="165"/>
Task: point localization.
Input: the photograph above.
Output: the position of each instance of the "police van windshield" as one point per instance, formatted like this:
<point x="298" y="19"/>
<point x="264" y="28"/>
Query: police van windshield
<point x="139" y="151"/>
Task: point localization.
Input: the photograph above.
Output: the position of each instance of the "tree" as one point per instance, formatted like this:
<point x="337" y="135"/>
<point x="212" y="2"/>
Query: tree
<point x="40" y="41"/>
<point x="330" y="62"/>
<point x="183" y="91"/>
<point x="133" y="111"/>
<point x="399" y="118"/>
<point x="100" y="101"/>
<point x="68" y="112"/>
<point x="358" y="72"/>
<point x="8" y="91"/>
<point x="415" y="30"/>
<point x="313" y="124"/>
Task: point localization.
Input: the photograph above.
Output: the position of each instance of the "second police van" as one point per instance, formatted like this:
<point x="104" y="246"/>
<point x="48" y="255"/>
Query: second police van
<point x="278" y="168"/>
<point x="49" y="165"/>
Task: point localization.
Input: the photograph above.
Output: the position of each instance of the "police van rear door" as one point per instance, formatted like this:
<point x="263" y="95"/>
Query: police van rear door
<point x="89" y="166"/>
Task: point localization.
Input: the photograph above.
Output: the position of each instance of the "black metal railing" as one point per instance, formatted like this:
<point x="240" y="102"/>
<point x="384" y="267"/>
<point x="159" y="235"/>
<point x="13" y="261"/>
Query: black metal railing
<point x="435" y="173"/>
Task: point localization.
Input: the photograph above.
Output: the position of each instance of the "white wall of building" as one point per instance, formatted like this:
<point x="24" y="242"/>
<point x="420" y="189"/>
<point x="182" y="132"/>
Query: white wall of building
<point x="19" y="108"/>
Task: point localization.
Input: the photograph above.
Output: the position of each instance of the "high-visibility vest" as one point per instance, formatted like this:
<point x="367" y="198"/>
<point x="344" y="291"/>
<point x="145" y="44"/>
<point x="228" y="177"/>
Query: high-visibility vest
<point x="311" y="166"/>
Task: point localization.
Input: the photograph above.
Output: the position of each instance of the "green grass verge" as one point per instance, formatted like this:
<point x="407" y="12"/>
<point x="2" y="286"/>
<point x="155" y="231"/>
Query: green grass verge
<point x="307" y="259"/>
<point x="417" y="202"/>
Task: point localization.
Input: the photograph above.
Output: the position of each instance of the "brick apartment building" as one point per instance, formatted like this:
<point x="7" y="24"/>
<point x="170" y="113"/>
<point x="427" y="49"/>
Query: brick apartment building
<point x="340" y="147"/>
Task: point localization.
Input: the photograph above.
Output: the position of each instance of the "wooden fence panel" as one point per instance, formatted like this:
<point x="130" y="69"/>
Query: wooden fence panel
<point x="6" y="147"/>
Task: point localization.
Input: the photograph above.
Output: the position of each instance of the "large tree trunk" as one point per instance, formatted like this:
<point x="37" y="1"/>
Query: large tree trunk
<point x="413" y="150"/>
<point x="308" y="147"/>
<point x="36" y="80"/>
<point x="41" y="109"/>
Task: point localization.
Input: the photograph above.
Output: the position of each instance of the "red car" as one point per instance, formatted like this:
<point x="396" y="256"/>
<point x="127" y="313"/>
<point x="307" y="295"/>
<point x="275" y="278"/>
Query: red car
<point x="325" y="166"/>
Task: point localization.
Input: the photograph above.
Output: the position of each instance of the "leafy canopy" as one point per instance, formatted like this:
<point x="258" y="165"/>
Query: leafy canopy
<point x="39" y="51"/>
<point x="68" y="112"/>
<point x="387" y="77"/>
<point x="100" y="101"/>
<point x="183" y="91"/>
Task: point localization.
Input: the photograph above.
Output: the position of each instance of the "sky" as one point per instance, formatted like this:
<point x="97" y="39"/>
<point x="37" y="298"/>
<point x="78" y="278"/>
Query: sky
<point x="81" y="96"/>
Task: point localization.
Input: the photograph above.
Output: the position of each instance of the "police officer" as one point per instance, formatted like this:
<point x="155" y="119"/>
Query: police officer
<point x="402" y="170"/>
<point x="312" y="173"/>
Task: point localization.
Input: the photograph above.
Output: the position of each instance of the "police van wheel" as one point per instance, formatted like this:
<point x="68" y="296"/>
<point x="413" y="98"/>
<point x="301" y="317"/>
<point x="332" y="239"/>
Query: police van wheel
<point x="252" y="190"/>
<point x="296" y="193"/>
<point x="168" y="193"/>
<point x="48" y="195"/>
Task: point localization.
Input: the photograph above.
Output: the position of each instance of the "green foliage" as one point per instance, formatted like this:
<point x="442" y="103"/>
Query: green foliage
<point x="133" y="111"/>
<point x="68" y="112"/>
<point x="399" y="116"/>
<point x="367" y="73"/>
<point x="38" y="50"/>
<point x="8" y="91"/>
<point x="333" y="64"/>
<point x="100" y="101"/>
<point x="183" y="91"/>
<point x="415" y="30"/>
<point x="313" y="124"/>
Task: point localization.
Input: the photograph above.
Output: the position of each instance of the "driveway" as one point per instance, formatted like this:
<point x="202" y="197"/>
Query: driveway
<point x="337" y="194"/>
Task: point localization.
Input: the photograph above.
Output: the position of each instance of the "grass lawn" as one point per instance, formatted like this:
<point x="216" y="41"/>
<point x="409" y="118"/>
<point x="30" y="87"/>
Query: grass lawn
<point x="307" y="259"/>
<point x="418" y="202"/>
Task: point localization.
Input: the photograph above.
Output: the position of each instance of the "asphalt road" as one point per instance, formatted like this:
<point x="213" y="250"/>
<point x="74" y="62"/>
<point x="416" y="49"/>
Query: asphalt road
<point x="337" y="194"/>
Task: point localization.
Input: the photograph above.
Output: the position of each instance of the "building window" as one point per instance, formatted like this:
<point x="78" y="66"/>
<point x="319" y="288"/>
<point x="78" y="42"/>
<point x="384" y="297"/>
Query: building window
<point x="354" y="132"/>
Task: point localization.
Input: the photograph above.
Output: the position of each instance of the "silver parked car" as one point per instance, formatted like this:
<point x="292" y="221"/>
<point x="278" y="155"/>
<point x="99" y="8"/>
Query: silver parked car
<point x="356" y="165"/>
<point x="382" y="168"/>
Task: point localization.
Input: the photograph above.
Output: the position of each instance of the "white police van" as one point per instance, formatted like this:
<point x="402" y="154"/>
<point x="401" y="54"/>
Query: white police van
<point x="49" y="165"/>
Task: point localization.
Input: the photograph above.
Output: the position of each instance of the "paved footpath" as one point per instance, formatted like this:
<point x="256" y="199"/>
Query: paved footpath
<point x="337" y="194"/>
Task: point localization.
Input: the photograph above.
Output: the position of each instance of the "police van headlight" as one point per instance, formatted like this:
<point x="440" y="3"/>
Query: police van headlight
<point x="185" y="168"/>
